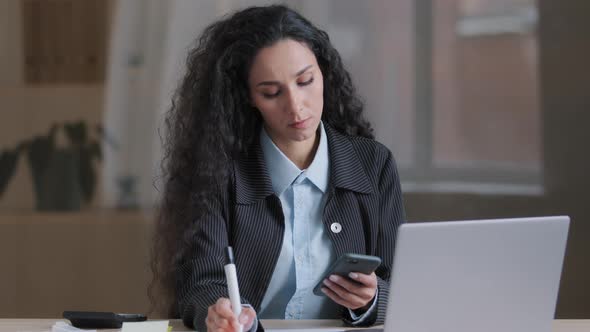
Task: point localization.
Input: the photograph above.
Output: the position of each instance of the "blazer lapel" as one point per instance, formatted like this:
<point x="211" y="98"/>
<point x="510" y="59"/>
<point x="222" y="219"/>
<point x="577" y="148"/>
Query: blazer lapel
<point x="348" y="178"/>
<point x="252" y="180"/>
<point x="258" y="227"/>
<point x="346" y="170"/>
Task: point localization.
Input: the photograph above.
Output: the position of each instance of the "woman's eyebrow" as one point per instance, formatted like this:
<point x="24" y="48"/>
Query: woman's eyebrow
<point x="277" y="83"/>
<point x="302" y="70"/>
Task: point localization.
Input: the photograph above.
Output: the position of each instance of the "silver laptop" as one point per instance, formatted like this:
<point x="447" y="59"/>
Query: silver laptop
<point x="497" y="275"/>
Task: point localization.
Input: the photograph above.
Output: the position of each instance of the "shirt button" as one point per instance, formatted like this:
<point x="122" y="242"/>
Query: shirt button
<point x="336" y="228"/>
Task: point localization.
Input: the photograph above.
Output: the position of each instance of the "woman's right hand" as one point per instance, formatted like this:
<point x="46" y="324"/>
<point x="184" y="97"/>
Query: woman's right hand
<point x="221" y="318"/>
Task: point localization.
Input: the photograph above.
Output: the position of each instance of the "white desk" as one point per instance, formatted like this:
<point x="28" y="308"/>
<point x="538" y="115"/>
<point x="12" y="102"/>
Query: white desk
<point x="41" y="325"/>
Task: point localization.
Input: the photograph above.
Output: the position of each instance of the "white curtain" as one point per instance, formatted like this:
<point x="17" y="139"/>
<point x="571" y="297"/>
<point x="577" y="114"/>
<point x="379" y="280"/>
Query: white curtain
<point x="132" y="97"/>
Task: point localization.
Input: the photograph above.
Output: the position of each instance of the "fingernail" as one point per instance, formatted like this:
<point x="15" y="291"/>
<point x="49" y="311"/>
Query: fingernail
<point x="333" y="278"/>
<point x="326" y="282"/>
<point x="323" y="289"/>
<point x="353" y="275"/>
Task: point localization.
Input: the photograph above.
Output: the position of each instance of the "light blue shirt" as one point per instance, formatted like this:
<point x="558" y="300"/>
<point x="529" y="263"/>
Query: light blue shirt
<point x="307" y="251"/>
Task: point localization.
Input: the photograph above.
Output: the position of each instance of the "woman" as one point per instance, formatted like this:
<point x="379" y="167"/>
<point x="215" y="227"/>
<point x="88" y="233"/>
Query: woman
<point x="268" y="151"/>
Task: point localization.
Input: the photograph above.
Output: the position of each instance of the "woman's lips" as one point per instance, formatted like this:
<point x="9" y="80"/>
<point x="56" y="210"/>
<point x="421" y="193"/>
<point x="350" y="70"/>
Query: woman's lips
<point x="300" y="124"/>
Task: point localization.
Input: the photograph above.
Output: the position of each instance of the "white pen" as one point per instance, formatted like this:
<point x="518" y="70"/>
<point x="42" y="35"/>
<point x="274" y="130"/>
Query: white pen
<point x="232" y="283"/>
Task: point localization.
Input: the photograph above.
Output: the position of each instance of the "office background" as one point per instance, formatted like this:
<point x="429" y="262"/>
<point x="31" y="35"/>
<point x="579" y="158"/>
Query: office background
<point x="483" y="102"/>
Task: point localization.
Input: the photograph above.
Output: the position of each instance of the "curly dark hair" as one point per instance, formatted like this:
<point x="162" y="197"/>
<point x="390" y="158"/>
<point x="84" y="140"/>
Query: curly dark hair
<point x="211" y="121"/>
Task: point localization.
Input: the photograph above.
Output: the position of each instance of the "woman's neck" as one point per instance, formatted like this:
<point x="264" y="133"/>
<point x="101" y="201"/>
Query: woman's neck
<point x="300" y="153"/>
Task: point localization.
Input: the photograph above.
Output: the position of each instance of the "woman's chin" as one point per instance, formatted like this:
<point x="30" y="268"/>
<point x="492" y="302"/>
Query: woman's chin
<point x="303" y="135"/>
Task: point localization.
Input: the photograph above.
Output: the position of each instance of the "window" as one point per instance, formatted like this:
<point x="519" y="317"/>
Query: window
<point x="450" y="87"/>
<point x="485" y="117"/>
<point x="466" y="103"/>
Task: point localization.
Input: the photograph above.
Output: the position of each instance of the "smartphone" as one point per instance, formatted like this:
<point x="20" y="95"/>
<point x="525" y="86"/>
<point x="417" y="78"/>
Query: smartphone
<point x="100" y="320"/>
<point x="349" y="263"/>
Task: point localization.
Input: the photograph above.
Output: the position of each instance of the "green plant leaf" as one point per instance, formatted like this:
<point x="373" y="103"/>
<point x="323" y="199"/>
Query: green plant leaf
<point x="8" y="161"/>
<point x="39" y="151"/>
<point x="60" y="188"/>
<point x="96" y="151"/>
<point x="87" y="174"/>
<point x="77" y="133"/>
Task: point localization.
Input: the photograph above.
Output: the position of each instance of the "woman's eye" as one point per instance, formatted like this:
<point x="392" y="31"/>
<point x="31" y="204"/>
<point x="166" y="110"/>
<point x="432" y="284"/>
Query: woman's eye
<point x="271" y="95"/>
<point x="276" y="94"/>
<point x="308" y="82"/>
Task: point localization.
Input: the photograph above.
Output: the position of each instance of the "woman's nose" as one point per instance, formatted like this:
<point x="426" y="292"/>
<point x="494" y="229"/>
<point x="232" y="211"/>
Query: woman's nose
<point x="293" y="102"/>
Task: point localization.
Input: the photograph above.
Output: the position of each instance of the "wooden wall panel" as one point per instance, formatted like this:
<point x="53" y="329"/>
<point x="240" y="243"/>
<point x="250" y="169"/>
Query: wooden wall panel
<point x="65" y="41"/>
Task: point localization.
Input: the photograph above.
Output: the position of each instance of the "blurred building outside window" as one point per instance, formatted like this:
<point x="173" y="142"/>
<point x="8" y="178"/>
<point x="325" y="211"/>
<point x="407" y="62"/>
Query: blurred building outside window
<point x="451" y="87"/>
<point x="478" y="126"/>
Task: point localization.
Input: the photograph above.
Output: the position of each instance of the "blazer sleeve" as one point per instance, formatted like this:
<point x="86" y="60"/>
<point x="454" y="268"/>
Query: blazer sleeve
<point x="392" y="216"/>
<point x="200" y="278"/>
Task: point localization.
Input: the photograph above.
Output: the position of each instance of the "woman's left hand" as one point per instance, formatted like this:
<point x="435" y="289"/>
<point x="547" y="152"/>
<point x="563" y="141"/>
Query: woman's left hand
<point x="353" y="295"/>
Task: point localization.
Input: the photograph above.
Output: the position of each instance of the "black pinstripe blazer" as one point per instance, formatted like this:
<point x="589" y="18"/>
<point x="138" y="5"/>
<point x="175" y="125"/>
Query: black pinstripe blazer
<point x="364" y="196"/>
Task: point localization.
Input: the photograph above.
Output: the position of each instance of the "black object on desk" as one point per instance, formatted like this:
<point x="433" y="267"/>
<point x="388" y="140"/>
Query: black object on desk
<point x="100" y="320"/>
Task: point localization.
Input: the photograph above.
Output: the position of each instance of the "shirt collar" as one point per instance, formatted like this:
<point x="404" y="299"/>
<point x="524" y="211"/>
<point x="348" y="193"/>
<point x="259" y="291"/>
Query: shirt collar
<point x="283" y="171"/>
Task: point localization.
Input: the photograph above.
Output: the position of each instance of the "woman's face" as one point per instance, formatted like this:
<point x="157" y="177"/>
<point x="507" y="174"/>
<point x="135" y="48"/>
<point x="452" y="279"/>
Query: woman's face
<point x="286" y="86"/>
